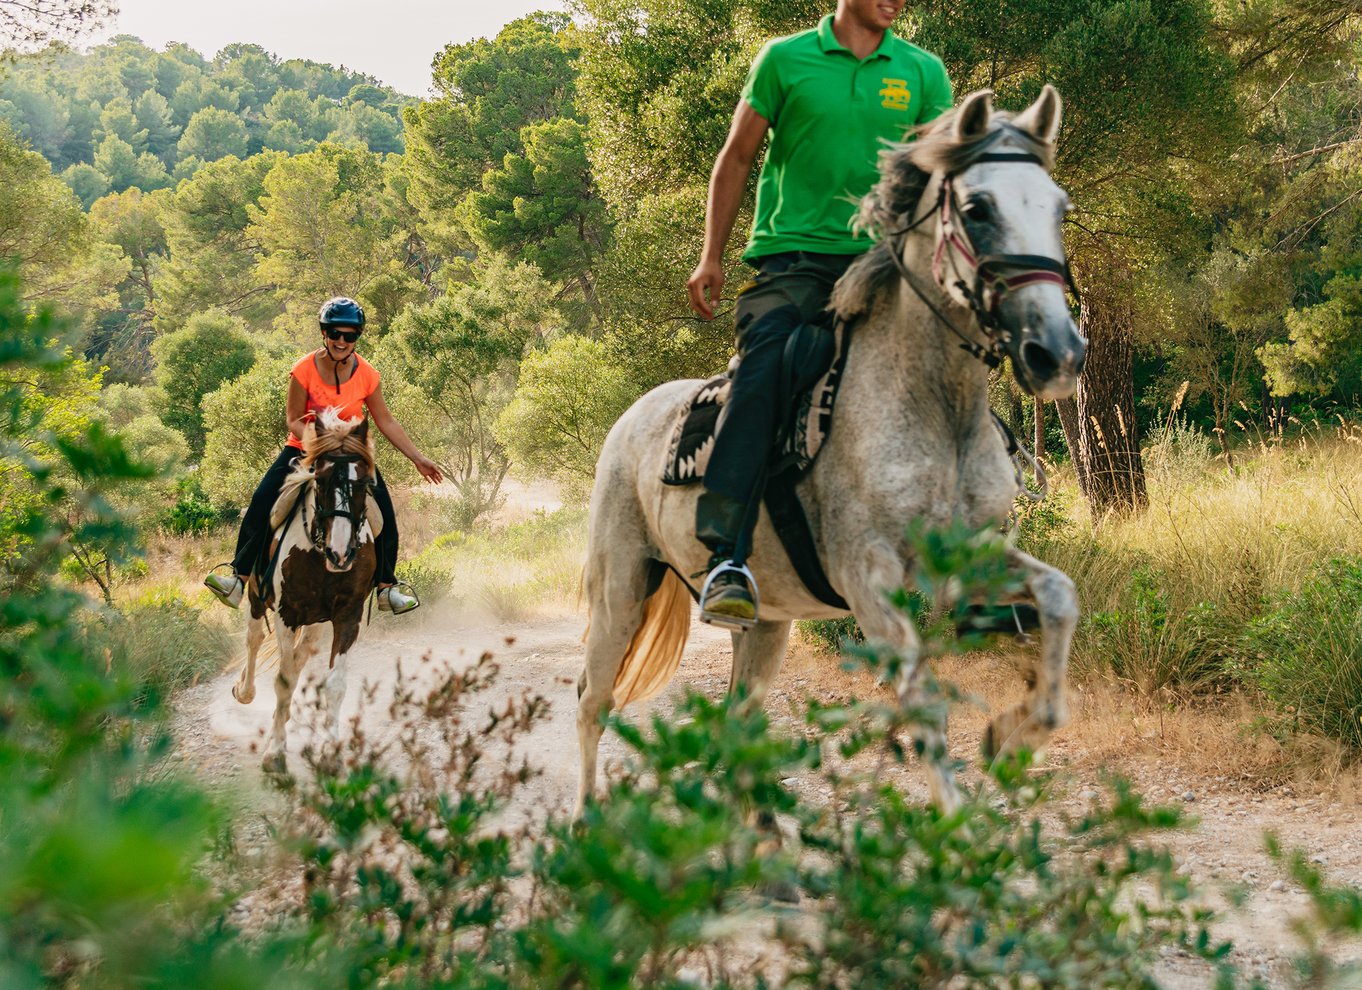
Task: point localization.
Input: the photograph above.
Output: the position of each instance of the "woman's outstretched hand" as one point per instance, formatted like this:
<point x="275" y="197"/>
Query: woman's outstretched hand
<point x="428" y="468"/>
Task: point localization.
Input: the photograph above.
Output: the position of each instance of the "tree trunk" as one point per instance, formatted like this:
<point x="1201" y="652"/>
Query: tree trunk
<point x="1068" y="421"/>
<point x="1107" y="451"/>
<point x="1039" y="439"/>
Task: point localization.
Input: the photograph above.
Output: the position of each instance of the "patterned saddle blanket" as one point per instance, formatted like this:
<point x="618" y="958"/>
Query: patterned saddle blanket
<point x="797" y="442"/>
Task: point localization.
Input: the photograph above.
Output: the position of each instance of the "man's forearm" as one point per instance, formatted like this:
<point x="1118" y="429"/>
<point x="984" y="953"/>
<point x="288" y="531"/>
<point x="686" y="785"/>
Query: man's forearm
<point x="726" y="187"/>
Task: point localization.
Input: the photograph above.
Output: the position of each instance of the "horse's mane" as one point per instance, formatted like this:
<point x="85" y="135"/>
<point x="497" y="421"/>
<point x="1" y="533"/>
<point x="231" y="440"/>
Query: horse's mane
<point x="905" y="170"/>
<point x="329" y="434"/>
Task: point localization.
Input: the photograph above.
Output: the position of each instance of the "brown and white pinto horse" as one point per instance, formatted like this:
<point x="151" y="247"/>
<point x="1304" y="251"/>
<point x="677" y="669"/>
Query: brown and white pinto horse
<point x="324" y="527"/>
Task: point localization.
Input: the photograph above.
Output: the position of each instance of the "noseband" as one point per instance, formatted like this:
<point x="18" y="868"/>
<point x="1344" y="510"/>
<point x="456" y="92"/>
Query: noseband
<point x="993" y="275"/>
<point x="344" y="505"/>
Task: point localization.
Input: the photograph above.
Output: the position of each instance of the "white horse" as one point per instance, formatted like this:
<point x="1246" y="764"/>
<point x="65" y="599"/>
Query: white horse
<point x="969" y="266"/>
<point x="326" y="562"/>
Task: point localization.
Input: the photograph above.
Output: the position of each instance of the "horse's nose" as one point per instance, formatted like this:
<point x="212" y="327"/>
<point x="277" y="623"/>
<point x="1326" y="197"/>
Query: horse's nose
<point x="1041" y="363"/>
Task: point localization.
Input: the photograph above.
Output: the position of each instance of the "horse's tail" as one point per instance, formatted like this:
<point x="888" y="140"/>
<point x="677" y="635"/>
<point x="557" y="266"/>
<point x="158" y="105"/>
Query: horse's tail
<point x="655" y="650"/>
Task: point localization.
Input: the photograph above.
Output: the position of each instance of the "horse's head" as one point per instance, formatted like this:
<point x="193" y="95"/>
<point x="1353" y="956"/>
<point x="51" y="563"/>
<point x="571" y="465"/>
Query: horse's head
<point x="973" y="201"/>
<point x="341" y="458"/>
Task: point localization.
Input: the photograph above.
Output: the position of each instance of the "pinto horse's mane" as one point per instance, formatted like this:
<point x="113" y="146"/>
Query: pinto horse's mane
<point x="905" y="170"/>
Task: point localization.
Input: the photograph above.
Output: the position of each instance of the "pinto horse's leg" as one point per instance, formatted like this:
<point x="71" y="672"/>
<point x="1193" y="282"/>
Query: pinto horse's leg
<point x="881" y="573"/>
<point x="292" y="655"/>
<point x="344" y="632"/>
<point x="757" y="654"/>
<point x="1045" y="707"/>
<point x="244" y="689"/>
<point x="616" y="590"/>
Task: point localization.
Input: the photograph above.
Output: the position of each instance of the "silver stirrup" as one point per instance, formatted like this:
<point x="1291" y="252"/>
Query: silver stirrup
<point x="730" y="621"/>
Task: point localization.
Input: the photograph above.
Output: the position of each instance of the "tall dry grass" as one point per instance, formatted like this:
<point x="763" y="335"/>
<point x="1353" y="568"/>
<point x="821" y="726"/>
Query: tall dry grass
<point x="1179" y="600"/>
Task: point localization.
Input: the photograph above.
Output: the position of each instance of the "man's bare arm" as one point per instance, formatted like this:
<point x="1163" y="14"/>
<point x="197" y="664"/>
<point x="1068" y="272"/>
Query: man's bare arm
<point x="726" y="185"/>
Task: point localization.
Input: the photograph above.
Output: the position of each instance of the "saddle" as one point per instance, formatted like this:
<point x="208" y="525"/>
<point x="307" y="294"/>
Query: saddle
<point x="811" y="369"/>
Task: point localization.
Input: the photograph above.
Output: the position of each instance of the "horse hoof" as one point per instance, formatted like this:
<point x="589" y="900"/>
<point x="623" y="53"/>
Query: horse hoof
<point x="275" y="765"/>
<point x="244" y="695"/>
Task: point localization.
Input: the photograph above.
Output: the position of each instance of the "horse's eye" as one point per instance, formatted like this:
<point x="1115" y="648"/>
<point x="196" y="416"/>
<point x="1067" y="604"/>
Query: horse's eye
<point x="978" y="210"/>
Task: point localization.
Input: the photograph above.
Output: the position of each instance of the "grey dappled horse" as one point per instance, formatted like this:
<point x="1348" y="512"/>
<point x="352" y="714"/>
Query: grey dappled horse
<point x="969" y="266"/>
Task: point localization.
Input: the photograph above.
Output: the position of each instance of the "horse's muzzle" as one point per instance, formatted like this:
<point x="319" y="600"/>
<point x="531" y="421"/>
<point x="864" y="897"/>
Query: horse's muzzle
<point x="1049" y="368"/>
<point x="337" y="564"/>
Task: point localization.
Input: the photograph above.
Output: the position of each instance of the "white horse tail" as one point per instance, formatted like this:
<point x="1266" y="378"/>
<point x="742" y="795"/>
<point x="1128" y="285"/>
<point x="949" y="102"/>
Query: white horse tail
<point x="655" y="649"/>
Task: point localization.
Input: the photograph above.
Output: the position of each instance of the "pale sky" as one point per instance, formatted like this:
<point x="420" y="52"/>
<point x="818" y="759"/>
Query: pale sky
<point x="394" y="40"/>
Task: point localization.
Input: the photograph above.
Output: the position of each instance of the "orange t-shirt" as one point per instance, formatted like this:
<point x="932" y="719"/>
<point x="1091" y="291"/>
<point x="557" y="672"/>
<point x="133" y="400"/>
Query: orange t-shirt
<point x="322" y="394"/>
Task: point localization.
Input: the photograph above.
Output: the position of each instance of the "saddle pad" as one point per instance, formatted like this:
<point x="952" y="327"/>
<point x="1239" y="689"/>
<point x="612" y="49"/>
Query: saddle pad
<point x="797" y="443"/>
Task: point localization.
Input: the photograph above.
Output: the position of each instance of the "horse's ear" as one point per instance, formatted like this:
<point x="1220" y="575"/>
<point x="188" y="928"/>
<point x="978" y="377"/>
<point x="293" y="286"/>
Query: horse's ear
<point x="974" y="115"/>
<point x="362" y="430"/>
<point x="1041" y="119"/>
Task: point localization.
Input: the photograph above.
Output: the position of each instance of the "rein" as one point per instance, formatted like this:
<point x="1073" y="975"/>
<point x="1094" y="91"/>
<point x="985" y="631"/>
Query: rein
<point x="991" y="281"/>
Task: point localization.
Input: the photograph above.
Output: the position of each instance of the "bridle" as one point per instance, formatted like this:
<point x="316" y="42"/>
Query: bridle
<point x="345" y="504"/>
<point x="991" y="276"/>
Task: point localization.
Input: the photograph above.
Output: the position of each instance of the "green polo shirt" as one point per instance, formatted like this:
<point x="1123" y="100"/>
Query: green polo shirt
<point x="829" y="114"/>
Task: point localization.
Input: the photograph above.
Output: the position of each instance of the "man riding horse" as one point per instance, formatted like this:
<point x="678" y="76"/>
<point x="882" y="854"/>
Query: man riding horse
<point x="830" y="97"/>
<point x="331" y="377"/>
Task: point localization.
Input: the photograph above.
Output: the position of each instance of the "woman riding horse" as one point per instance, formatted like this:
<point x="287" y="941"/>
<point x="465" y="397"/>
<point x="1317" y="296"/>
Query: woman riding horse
<point x="334" y="377"/>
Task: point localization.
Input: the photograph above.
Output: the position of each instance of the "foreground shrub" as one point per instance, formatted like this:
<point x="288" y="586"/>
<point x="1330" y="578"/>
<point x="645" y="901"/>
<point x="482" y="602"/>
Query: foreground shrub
<point x="1305" y="652"/>
<point x="406" y="874"/>
<point x="99" y="852"/>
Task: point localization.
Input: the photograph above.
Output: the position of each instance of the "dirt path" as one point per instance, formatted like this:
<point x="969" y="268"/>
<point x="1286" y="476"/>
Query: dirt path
<point x="1225" y="849"/>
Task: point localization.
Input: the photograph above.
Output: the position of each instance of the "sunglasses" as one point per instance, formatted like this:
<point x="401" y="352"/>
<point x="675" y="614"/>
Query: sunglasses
<point x="349" y="336"/>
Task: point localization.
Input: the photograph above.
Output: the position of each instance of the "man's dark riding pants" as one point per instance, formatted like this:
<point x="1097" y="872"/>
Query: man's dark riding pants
<point x="789" y="290"/>
<point x="255" y="524"/>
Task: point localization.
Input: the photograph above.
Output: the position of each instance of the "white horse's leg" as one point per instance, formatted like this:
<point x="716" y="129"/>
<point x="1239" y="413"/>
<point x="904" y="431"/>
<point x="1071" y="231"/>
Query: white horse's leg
<point x="616" y="590"/>
<point x="883" y="572"/>
<point x="757" y="655"/>
<point x="1046" y="706"/>
<point x="244" y="689"/>
<point x="292" y="655"/>
<point x="344" y="632"/>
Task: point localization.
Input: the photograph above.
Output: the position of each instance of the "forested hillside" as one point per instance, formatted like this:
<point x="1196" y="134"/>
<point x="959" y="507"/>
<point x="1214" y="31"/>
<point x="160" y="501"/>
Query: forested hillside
<point x="124" y="115"/>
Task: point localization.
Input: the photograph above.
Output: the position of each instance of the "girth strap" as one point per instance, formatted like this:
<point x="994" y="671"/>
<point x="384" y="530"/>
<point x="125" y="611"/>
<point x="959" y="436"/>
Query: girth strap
<point x="792" y="526"/>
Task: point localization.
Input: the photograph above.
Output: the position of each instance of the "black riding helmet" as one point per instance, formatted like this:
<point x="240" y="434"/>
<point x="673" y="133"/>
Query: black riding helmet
<point x="341" y="311"/>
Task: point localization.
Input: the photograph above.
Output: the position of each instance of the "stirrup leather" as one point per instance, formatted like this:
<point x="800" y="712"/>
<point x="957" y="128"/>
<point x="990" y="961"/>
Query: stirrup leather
<point x="730" y="621"/>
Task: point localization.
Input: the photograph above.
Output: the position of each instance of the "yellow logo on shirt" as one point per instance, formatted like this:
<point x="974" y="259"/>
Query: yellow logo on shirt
<point x="895" y="94"/>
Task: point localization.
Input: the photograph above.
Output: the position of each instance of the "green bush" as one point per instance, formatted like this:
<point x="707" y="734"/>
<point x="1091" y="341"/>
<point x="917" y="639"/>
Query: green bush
<point x="424" y="573"/>
<point x="100" y="848"/>
<point x="1304" y="651"/>
<point x="192" y="512"/>
<point x="1155" y="640"/>
<point x="831" y="634"/>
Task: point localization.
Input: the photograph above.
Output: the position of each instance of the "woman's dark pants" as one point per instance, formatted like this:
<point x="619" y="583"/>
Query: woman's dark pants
<point x="789" y="290"/>
<point x="255" y="530"/>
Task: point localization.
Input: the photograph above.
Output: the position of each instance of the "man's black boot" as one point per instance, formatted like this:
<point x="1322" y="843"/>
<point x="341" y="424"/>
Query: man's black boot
<point x="729" y="596"/>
